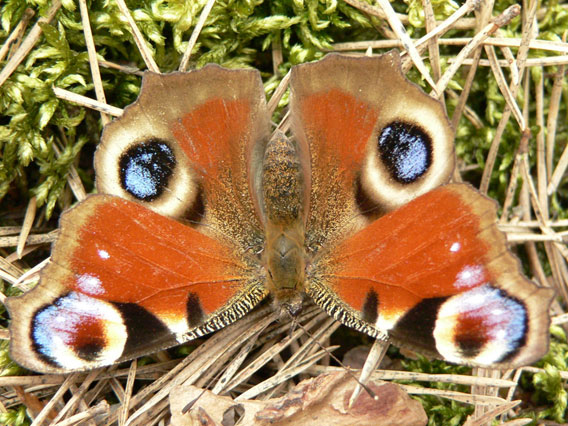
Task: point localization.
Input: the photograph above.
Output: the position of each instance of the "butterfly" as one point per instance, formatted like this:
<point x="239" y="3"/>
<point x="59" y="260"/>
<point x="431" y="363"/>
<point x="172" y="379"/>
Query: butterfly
<point x="201" y="214"/>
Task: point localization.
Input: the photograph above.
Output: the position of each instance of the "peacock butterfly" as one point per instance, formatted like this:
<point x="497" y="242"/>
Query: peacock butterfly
<point x="201" y="215"/>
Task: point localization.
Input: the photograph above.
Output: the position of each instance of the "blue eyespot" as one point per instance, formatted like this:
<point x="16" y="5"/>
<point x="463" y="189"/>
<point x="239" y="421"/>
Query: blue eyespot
<point x="146" y="168"/>
<point x="405" y="150"/>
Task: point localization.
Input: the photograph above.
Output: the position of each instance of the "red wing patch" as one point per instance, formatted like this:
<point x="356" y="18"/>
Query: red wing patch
<point x="142" y="257"/>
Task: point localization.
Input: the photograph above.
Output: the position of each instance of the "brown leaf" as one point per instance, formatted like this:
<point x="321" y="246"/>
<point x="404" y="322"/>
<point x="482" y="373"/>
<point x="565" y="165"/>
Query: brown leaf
<point x="323" y="399"/>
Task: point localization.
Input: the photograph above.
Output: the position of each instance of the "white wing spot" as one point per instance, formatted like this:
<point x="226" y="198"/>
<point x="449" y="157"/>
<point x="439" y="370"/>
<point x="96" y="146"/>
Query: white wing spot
<point x="90" y="284"/>
<point x="469" y="276"/>
<point x="455" y="247"/>
<point x="103" y="254"/>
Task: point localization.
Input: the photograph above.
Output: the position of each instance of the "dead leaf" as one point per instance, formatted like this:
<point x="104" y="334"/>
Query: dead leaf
<point x="320" y="400"/>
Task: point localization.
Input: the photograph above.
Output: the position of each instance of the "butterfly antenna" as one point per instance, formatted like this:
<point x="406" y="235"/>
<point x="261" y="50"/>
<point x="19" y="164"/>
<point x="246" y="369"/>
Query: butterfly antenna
<point x="347" y="369"/>
<point x="191" y="403"/>
<point x="293" y="326"/>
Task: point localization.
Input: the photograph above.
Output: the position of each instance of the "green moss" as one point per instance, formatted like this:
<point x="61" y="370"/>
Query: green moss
<point x="440" y="410"/>
<point x="15" y="417"/>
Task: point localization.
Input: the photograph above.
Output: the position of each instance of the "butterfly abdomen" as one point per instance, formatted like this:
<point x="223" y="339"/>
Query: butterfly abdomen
<point x="283" y="182"/>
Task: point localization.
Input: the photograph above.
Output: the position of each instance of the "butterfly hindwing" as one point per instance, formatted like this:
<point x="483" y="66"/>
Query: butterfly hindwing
<point x="375" y="140"/>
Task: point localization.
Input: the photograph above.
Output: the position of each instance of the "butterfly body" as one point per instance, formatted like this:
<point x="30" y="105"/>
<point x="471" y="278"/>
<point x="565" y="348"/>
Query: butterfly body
<point x="283" y="193"/>
<point x="202" y="215"/>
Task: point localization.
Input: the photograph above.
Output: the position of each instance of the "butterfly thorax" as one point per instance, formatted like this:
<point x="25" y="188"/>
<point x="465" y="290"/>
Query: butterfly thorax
<point x="283" y="190"/>
<point x="284" y="261"/>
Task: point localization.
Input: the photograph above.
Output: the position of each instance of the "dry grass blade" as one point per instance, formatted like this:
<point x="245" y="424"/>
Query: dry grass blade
<point x="500" y="21"/>
<point x="433" y="47"/>
<point x="193" y="39"/>
<point x="28" y="43"/>
<point x="128" y="393"/>
<point x="504" y="87"/>
<point x="14" y="39"/>
<point x="284" y="375"/>
<point x="86" y="102"/>
<point x="77" y="395"/>
<point x="374" y="359"/>
<point x="521" y="58"/>
<point x="99" y="411"/>
<point x="9" y="271"/>
<point x="26" y="226"/>
<point x="461" y="107"/>
<point x="42" y="416"/>
<point x="458" y="41"/>
<point x="447" y="24"/>
<point x="518" y="422"/>
<point x="425" y="377"/>
<point x="145" y="51"/>
<point x="559" y="172"/>
<point x="267" y="356"/>
<point x="402" y="35"/>
<point x="126" y="69"/>
<point x="44" y="379"/>
<point x="314" y="339"/>
<point x="278" y="93"/>
<point x="31" y="239"/>
<point x="490" y="414"/>
<point x="234" y="365"/>
<point x="466" y="398"/>
<point x="91" y="50"/>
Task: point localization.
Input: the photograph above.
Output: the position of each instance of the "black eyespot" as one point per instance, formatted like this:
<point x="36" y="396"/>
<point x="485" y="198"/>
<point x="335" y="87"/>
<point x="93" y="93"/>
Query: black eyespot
<point x="145" y="169"/>
<point x="405" y="150"/>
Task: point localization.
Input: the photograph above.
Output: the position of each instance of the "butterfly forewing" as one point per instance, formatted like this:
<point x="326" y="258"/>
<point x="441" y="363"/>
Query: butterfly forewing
<point x="348" y="112"/>
<point x="437" y="276"/>
<point x="214" y="123"/>
<point x="125" y="281"/>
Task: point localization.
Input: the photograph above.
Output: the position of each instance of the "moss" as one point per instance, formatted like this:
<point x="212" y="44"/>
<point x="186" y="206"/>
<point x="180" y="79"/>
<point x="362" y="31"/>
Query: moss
<point x="15" y="417"/>
<point x="441" y="410"/>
